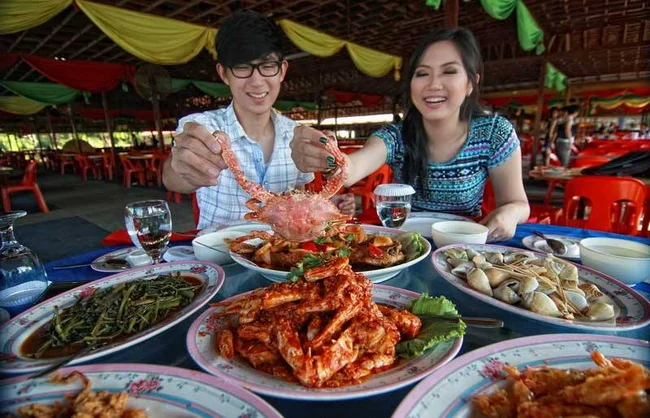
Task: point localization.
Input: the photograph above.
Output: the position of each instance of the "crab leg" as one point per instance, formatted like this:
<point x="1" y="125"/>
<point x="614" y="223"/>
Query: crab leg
<point x="334" y="184"/>
<point x="252" y="188"/>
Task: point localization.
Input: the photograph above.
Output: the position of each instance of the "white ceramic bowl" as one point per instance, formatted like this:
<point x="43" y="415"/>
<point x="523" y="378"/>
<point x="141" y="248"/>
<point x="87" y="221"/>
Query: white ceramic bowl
<point x="627" y="261"/>
<point x="458" y="232"/>
<point x="219" y="253"/>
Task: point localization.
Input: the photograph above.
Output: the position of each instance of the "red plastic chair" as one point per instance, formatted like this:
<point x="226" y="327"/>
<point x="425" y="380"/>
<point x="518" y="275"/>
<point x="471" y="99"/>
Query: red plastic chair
<point x="66" y="162"/>
<point x="645" y="226"/>
<point x="580" y="162"/>
<point x="108" y="165"/>
<point x="604" y="203"/>
<point x="365" y="188"/>
<point x="28" y="184"/>
<point x="129" y="169"/>
<point x="195" y="209"/>
<point x="85" y="165"/>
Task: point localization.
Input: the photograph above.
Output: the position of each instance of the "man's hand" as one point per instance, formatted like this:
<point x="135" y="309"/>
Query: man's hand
<point x="196" y="156"/>
<point x="345" y="203"/>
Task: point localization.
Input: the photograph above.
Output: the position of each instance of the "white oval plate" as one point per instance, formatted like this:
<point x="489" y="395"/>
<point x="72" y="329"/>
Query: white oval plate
<point x="245" y="226"/>
<point x="99" y="264"/>
<point x="448" y="391"/>
<point x="376" y="276"/>
<point x="14" y="332"/>
<point x="161" y="391"/>
<point x="201" y="347"/>
<point x="421" y="221"/>
<point x="536" y="243"/>
<point x="633" y="309"/>
<point x="179" y="253"/>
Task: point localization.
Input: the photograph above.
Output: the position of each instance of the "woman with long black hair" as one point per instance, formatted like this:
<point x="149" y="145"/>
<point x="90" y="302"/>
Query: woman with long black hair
<point x="447" y="146"/>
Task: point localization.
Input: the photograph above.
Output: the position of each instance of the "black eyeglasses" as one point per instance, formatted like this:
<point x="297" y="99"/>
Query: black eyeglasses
<point x="266" y="69"/>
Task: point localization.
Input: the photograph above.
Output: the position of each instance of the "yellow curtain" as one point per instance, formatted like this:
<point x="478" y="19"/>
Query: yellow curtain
<point x="367" y="60"/>
<point x="17" y="15"/>
<point x="19" y="105"/>
<point x="152" y="38"/>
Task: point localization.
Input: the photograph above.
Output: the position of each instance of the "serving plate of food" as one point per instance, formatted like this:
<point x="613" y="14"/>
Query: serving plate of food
<point x="542" y="287"/>
<point x="331" y="335"/>
<point x="549" y="373"/>
<point x="107" y="315"/>
<point x="378" y="252"/>
<point x="133" y="390"/>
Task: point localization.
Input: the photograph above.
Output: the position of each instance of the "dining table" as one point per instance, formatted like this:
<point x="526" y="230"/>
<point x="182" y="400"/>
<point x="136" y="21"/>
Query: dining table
<point x="169" y="348"/>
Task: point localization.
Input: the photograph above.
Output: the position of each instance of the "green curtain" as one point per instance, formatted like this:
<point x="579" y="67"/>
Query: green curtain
<point x="46" y="93"/>
<point x="434" y="3"/>
<point x="212" y="89"/>
<point x="286" y="105"/>
<point x="554" y="79"/>
<point x="179" y="84"/>
<point x="529" y="33"/>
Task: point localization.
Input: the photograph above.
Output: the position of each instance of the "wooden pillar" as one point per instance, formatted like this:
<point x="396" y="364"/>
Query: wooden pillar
<point x="74" y="129"/>
<point x="538" y="115"/>
<point x="38" y="138"/>
<point x="107" y="118"/>
<point x="51" y="129"/>
<point x="451" y="13"/>
<point x="158" y="122"/>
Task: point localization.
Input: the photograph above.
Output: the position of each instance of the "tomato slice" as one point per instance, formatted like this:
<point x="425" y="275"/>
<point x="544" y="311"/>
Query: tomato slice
<point x="309" y="246"/>
<point x="375" y="251"/>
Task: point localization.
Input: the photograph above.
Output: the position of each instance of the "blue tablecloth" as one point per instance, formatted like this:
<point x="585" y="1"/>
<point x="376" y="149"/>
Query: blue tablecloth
<point x="168" y="348"/>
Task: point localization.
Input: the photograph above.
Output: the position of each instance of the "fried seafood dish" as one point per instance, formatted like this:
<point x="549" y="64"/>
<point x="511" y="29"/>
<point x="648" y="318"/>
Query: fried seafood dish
<point x="547" y="286"/>
<point x="85" y="404"/>
<point x="295" y="215"/>
<point x="324" y="330"/>
<point x="618" y="388"/>
<point x="365" y="251"/>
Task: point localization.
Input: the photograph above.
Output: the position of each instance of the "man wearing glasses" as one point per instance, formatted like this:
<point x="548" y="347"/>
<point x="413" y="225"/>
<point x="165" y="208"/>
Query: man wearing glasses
<point x="251" y="63"/>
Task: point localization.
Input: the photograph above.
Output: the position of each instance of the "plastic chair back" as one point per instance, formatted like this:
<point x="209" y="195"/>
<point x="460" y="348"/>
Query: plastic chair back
<point x="604" y="203"/>
<point x="588" y="161"/>
<point x="30" y="173"/>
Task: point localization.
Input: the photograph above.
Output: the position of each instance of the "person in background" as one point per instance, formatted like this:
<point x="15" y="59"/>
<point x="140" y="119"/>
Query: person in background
<point x="566" y="132"/>
<point x="644" y="131"/>
<point x="251" y="63"/>
<point x="551" y="135"/>
<point x="446" y="147"/>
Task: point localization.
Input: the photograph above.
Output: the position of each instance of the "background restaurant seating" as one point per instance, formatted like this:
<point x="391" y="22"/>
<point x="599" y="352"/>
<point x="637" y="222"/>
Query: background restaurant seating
<point x="28" y="184"/>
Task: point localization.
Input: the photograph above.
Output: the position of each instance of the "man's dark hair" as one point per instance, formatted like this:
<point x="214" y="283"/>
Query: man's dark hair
<point x="246" y="36"/>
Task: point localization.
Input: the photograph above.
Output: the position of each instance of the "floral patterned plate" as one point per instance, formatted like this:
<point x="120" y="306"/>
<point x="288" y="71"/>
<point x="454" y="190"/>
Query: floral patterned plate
<point x="14" y="332"/>
<point x="200" y="344"/>
<point x="160" y="390"/>
<point x="632" y="309"/>
<point x="101" y="265"/>
<point x="376" y="276"/>
<point x="448" y="391"/>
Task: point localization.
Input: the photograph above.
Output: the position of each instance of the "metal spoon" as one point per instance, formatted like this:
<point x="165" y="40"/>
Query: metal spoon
<point x="66" y="360"/>
<point x="115" y="263"/>
<point x="557" y="246"/>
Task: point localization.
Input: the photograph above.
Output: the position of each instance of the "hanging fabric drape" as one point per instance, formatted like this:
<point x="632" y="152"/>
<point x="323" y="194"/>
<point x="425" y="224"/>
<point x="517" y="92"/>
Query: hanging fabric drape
<point x="632" y="101"/>
<point x="8" y="60"/>
<point x="19" y="105"/>
<point x="152" y="38"/>
<point x="434" y="3"/>
<point x="208" y="87"/>
<point x="95" y="77"/>
<point x="17" y="15"/>
<point x="530" y="35"/>
<point x="286" y="105"/>
<point x="554" y="79"/>
<point x="46" y="93"/>
<point x="367" y="60"/>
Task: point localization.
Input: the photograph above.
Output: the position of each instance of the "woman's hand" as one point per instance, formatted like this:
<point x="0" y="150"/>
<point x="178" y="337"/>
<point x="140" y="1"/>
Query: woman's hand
<point x="501" y="223"/>
<point x="308" y="150"/>
<point x="345" y="203"/>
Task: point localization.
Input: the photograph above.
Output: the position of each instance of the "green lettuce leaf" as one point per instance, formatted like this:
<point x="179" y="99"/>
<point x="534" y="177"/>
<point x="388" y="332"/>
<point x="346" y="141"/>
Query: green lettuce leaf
<point x="433" y="331"/>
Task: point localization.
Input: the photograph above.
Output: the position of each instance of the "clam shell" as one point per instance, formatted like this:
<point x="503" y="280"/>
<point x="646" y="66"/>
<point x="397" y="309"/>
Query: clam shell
<point x="518" y="256"/>
<point x="506" y="293"/>
<point x="527" y="284"/>
<point x="481" y="262"/>
<point x="592" y="292"/>
<point x="572" y="286"/>
<point x="545" y="287"/>
<point x="477" y="279"/>
<point x="462" y="269"/>
<point x="493" y="257"/>
<point x="471" y="253"/>
<point x="561" y="306"/>
<point x="570" y="272"/>
<point x="457" y="253"/>
<point x="577" y="300"/>
<point x="455" y="262"/>
<point x="496" y="277"/>
<point x="540" y="303"/>
<point x="600" y="311"/>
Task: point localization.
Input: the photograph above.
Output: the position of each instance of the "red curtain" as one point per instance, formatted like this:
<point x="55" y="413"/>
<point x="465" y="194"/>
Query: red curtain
<point x="8" y="60"/>
<point x="344" y="97"/>
<point x="91" y="76"/>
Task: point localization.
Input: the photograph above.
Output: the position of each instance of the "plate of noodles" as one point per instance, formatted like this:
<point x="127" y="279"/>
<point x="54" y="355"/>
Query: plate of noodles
<point x="278" y="380"/>
<point x="130" y="390"/>
<point x="107" y="315"/>
<point x="365" y="243"/>
<point x="549" y="371"/>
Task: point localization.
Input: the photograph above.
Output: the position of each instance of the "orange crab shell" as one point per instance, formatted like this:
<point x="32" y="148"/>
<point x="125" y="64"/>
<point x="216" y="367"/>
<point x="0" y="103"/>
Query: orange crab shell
<point x="299" y="216"/>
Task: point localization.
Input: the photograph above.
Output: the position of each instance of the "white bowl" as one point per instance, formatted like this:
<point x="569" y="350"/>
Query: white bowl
<point x="458" y="232"/>
<point x="627" y="261"/>
<point x="219" y="253"/>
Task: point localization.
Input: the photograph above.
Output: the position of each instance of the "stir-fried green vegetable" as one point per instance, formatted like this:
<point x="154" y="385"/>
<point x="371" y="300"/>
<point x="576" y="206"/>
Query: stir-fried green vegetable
<point x="118" y="311"/>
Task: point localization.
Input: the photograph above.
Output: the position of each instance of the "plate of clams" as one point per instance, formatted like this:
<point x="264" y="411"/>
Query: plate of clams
<point x="542" y="287"/>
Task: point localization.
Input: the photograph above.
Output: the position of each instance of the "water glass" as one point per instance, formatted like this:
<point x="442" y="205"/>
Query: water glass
<point x="22" y="276"/>
<point x="149" y="224"/>
<point x="393" y="203"/>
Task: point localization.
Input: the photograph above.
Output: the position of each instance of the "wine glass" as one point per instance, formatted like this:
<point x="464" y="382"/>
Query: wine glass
<point x="149" y="224"/>
<point x="393" y="203"/>
<point x="22" y="277"/>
